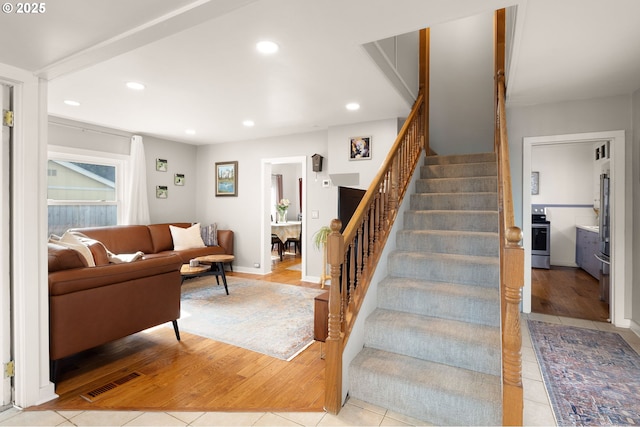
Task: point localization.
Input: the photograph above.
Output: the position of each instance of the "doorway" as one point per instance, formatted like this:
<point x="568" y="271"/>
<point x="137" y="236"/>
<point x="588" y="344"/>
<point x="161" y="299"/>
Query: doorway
<point x="620" y="277"/>
<point x="297" y="167"/>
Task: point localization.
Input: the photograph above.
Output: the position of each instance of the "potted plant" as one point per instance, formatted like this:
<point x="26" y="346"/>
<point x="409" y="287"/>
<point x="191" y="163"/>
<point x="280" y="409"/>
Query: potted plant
<point x="320" y="242"/>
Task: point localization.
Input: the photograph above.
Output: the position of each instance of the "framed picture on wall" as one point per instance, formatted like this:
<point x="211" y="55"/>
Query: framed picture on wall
<point x="161" y="165"/>
<point x="360" y="148"/>
<point x="178" y="179"/>
<point x="162" y="192"/>
<point x="227" y="178"/>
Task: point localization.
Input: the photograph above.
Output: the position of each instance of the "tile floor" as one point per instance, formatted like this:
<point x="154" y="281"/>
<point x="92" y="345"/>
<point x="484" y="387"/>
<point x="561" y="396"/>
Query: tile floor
<point x="537" y="409"/>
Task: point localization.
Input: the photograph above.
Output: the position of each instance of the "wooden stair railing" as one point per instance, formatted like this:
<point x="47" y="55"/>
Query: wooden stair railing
<point x="354" y="254"/>
<point x="511" y="252"/>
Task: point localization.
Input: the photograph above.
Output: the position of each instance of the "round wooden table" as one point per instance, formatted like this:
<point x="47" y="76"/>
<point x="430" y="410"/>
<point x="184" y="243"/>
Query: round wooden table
<point x="217" y="261"/>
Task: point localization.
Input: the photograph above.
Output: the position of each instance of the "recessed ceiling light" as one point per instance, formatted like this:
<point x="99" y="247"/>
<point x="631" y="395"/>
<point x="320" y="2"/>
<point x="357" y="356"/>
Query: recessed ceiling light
<point x="248" y="123"/>
<point x="72" y="103"/>
<point x="353" y="106"/>
<point x="190" y="131"/>
<point x="135" y="86"/>
<point x="267" y="47"/>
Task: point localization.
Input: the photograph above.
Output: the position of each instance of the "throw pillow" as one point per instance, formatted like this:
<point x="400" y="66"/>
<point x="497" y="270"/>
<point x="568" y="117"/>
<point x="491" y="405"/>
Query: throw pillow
<point x="186" y="238"/>
<point x="210" y="234"/>
<point x="71" y="241"/>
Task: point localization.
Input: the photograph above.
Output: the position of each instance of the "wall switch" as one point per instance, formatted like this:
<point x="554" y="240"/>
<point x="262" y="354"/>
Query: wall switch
<point x="315" y="214"/>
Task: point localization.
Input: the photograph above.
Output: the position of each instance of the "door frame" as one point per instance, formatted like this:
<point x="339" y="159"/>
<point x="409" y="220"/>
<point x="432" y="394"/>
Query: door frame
<point x="30" y="338"/>
<point x="265" y="219"/>
<point x="621" y="249"/>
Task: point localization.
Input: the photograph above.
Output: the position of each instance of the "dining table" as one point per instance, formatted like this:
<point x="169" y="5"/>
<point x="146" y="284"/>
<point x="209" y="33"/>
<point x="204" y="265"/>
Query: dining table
<point x="286" y="230"/>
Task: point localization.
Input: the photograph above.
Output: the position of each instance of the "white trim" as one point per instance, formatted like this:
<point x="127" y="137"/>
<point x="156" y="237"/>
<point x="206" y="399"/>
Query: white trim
<point x="29" y="272"/>
<point x="265" y="220"/>
<point x="620" y="278"/>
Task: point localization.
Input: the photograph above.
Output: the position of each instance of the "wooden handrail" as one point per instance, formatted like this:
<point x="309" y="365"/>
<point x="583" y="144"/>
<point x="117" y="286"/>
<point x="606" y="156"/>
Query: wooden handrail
<point x="354" y="254"/>
<point x="511" y="252"/>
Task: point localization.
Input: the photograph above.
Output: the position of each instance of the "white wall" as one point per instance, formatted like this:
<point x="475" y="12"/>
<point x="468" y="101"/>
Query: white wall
<point x="461" y="86"/>
<point x="566" y="187"/>
<point x="245" y="214"/>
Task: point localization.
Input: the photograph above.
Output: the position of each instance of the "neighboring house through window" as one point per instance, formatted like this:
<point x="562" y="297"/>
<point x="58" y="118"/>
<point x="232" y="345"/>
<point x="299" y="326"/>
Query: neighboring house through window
<point x="83" y="189"/>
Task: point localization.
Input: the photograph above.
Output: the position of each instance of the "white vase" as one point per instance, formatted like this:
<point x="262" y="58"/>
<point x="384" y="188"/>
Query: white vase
<point x="282" y="215"/>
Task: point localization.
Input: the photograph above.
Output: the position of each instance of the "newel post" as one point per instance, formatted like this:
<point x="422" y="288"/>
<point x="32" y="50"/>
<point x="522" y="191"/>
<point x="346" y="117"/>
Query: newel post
<point x="333" y="357"/>
<point x="512" y="394"/>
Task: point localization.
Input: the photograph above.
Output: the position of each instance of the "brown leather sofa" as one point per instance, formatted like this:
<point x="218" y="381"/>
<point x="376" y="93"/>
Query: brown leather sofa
<point x="91" y="306"/>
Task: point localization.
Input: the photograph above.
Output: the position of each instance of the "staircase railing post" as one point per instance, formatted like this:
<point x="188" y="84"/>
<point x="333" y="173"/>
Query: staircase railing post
<point x="512" y="393"/>
<point x="333" y="357"/>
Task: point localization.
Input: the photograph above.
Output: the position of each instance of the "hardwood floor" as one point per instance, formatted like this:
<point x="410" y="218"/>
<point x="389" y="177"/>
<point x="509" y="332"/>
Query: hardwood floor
<point x="568" y="292"/>
<point x="152" y="371"/>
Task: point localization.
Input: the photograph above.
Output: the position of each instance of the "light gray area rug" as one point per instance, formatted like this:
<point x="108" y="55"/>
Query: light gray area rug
<point x="269" y="318"/>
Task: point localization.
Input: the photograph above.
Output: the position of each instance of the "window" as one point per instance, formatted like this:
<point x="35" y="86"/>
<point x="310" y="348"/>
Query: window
<point x="83" y="190"/>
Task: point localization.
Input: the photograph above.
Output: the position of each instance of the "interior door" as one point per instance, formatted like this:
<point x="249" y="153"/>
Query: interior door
<point x="5" y="249"/>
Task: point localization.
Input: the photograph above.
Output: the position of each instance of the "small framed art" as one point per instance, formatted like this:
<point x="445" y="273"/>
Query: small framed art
<point x="178" y="179"/>
<point x="360" y="148"/>
<point x="162" y="192"/>
<point x="227" y="178"/>
<point x="161" y="165"/>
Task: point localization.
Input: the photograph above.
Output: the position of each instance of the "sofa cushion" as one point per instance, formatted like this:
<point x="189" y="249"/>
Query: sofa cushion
<point x="121" y="239"/>
<point x="63" y="258"/>
<point x="186" y="238"/>
<point x="161" y="236"/>
<point x="210" y="234"/>
<point x="71" y="241"/>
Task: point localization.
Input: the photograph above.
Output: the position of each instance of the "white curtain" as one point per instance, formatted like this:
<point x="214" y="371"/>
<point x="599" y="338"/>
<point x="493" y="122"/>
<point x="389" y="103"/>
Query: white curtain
<point x="136" y="202"/>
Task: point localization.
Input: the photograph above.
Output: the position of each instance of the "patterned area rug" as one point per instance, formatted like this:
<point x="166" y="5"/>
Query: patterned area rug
<point x="592" y="377"/>
<point x="269" y="318"/>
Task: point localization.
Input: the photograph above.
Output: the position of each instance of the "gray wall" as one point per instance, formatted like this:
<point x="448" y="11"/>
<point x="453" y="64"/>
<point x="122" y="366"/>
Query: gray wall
<point x="461" y="86"/>
<point x="180" y="206"/>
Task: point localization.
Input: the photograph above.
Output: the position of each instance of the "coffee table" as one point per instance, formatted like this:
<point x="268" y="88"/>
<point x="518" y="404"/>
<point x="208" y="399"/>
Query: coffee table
<point x="217" y="261"/>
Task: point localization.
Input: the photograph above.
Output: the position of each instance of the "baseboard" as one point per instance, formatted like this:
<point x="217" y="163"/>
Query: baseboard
<point x="635" y="328"/>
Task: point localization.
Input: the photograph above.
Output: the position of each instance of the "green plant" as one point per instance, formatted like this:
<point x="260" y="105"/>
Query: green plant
<point x="320" y="237"/>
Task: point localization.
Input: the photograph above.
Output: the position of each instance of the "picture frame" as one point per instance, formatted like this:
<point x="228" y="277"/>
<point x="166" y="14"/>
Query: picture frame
<point x="535" y="183"/>
<point x="360" y="148"/>
<point x="162" y="191"/>
<point x="227" y="178"/>
<point x="161" y="165"/>
<point x="178" y="179"/>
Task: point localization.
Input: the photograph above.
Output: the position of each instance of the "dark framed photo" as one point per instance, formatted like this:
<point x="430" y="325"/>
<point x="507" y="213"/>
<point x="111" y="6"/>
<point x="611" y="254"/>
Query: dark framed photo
<point x="161" y="165"/>
<point x="178" y="179"/>
<point x="360" y="148"/>
<point x="226" y="178"/>
<point x="162" y="192"/>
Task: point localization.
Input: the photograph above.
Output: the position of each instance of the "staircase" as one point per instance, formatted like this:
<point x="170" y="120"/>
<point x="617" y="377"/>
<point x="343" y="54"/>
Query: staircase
<point x="432" y="346"/>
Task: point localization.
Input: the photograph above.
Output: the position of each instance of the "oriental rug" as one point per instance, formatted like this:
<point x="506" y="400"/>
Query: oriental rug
<point x="592" y="377"/>
<point x="266" y="317"/>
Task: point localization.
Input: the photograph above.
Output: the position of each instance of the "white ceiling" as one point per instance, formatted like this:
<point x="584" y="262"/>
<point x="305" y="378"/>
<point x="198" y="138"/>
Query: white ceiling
<point x="201" y="71"/>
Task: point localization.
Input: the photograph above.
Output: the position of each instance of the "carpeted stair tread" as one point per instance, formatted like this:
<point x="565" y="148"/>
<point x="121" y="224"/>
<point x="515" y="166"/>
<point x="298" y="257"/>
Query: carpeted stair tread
<point x="459" y="170"/>
<point x="453" y="301"/>
<point x="449" y="241"/>
<point x="460" y="158"/>
<point x="465" y="269"/>
<point x="433" y="392"/>
<point x="455" y="201"/>
<point x="457" y="185"/>
<point x="461" y="220"/>
<point x="450" y="342"/>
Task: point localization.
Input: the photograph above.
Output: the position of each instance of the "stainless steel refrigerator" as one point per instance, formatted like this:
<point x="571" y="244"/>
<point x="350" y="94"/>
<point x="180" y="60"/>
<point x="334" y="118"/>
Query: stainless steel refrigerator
<point x="604" y="255"/>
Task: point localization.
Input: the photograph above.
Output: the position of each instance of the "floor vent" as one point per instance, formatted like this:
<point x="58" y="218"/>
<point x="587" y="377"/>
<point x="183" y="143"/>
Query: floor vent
<point x="93" y="395"/>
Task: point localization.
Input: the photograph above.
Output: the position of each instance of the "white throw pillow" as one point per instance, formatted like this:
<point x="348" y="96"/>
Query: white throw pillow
<point x="71" y="241"/>
<point x="186" y="238"/>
